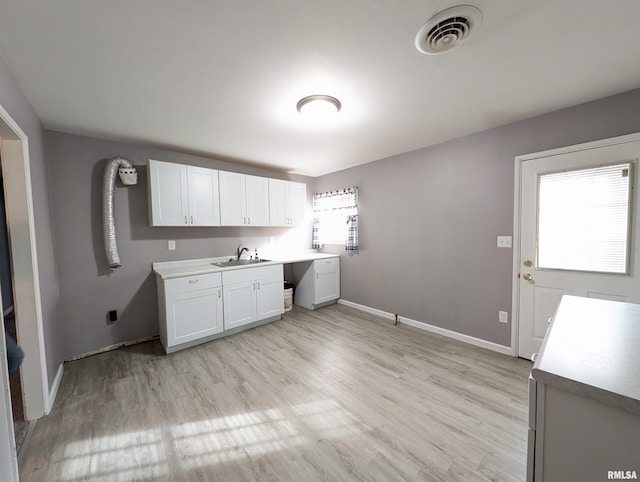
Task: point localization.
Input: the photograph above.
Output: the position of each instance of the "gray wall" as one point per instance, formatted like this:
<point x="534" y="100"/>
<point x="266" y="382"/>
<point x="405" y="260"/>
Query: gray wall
<point x="88" y="288"/>
<point x="15" y="103"/>
<point x="429" y="218"/>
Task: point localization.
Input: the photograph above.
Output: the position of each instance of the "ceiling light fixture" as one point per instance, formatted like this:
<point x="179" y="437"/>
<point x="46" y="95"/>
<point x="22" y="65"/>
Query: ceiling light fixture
<point x="318" y="108"/>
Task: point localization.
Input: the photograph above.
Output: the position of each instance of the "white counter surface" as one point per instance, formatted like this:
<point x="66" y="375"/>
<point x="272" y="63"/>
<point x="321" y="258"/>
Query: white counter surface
<point x="593" y="349"/>
<point x="193" y="267"/>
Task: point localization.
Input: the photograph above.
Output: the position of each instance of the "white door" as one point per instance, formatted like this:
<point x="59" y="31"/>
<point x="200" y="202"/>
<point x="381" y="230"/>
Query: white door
<point x="270" y="297"/>
<point x="577" y="228"/>
<point x="257" y="189"/>
<point x="204" y="198"/>
<point x="194" y="315"/>
<point x="296" y="200"/>
<point x="8" y="460"/>
<point x="277" y="202"/>
<point x="239" y="304"/>
<point x="327" y="280"/>
<point x="233" y="202"/>
<point x="168" y="191"/>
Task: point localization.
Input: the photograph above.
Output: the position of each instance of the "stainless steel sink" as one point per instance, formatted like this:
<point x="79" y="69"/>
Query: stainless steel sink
<point x="239" y="262"/>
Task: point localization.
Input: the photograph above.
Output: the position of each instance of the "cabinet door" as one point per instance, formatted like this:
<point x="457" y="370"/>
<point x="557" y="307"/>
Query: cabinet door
<point x="296" y="201"/>
<point x="270" y="297"/>
<point x="193" y="315"/>
<point x="239" y="304"/>
<point x="169" y="201"/>
<point x="257" y="189"/>
<point x="204" y="197"/>
<point x="278" y="202"/>
<point x="233" y="199"/>
<point x="327" y="280"/>
<point x="327" y="286"/>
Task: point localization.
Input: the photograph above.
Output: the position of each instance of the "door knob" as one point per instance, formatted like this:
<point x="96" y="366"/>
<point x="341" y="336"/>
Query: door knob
<point x="527" y="277"/>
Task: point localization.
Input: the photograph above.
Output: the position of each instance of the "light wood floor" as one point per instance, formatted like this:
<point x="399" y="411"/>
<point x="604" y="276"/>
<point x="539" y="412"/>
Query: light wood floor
<point x="333" y="394"/>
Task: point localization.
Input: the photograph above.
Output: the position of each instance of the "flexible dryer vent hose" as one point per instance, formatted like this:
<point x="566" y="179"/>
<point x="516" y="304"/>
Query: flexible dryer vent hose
<point x="108" y="221"/>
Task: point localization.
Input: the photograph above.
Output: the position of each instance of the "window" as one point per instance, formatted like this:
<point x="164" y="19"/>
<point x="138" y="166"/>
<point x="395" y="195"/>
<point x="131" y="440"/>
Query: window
<point x="583" y="219"/>
<point x="335" y="218"/>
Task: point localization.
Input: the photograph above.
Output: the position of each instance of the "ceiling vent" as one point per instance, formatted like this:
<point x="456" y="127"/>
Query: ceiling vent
<point x="448" y="29"/>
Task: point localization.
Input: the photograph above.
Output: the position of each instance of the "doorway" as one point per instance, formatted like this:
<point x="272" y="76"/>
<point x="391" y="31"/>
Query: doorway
<point x="575" y="233"/>
<point x="16" y="171"/>
<point x="21" y="426"/>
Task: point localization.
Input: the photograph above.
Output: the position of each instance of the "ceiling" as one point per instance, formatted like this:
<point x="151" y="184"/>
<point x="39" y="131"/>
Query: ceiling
<point x="221" y="78"/>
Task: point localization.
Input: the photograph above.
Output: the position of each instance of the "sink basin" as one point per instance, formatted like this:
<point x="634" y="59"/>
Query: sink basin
<point x="239" y="262"/>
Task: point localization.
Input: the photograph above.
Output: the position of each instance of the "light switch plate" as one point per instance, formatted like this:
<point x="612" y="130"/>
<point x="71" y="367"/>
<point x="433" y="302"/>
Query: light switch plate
<point x="503" y="317"/>
<point x="504" y="241"/>
<point x="171" y="245"/>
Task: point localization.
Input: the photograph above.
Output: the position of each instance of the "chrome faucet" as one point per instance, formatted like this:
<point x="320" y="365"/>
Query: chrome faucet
<point x="240" y="251"/>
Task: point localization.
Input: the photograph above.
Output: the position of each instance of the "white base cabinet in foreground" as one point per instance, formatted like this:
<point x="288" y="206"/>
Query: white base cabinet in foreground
<point x="317" y="282"/>
<point x="190" y="310"/>
<point x="584" y="394"/>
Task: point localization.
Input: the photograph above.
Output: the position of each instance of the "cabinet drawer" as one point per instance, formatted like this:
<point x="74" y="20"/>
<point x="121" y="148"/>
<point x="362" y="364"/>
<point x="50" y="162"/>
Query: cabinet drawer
<point x="192" y="283"/>
<point x="330" y="264"/>
<point x="251" y="274"/>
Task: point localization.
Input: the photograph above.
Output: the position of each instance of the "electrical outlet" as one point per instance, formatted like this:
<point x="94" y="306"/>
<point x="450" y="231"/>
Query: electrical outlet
<point x="504" y="241"/>
<point x="503" y="317"/>
<point x="171" y="245"/>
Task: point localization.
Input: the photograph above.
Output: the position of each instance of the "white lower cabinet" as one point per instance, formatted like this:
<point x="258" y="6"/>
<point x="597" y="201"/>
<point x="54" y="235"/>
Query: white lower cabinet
<point x="317" y="282"/>
<point x="190" y="310"/>
<point x="252" y="294"/>
<point x="196" y="309"/>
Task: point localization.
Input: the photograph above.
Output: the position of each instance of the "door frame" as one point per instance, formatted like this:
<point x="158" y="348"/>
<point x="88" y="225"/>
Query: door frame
<point x="517" y="226"/>
<point x="26" y="283"/>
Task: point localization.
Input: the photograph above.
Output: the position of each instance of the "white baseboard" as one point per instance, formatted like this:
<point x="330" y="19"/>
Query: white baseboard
<point x="489" y="345"/>
<point x="54" y="390"/>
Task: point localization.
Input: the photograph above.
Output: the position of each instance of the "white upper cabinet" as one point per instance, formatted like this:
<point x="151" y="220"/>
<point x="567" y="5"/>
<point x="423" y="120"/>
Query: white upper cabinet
<point x="169" y="202"/>
<point x="204" y="197"/>
<point x="183" y="195"/>
<point x="286" y="202"/>
<point x="296" y="201"/>
<point x="244" y="200"/>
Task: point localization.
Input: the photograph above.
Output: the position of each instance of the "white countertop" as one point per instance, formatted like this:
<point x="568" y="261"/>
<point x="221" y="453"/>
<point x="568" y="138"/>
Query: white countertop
<point x="593" y="349"/>
<point x="193" y="267"/>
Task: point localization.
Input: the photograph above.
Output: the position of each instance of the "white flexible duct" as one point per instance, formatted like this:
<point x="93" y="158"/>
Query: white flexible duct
<point x="108" y="221"/>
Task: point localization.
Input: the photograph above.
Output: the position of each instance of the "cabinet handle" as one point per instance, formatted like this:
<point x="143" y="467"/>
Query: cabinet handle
<point x="258" y="284"/>
<point x="185" y="220"/>
<point x="254" y="286"/>
<point x="248" y="220"/>
<point x="191" y="219"/>
<point x="193" y="281"/>
<point x="219" y="293"/>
